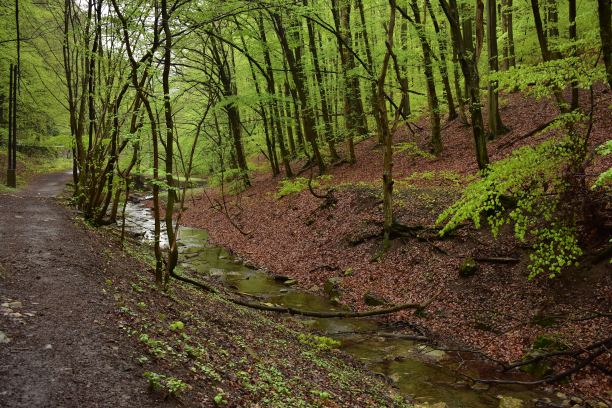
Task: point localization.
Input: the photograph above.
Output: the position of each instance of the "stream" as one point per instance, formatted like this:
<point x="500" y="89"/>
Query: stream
<point x="423" y="373"/>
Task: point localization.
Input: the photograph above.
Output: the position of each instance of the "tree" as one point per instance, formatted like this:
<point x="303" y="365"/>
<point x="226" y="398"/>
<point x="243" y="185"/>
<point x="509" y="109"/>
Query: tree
<point x="605" y="34"/>
<point x="329" y="137"/>
<point x="507" y="13"/>
<point x="387" y="133"/>
<point x="432" y="97"/>
<point x="467" y="60"/>
<point x="441" y="36"/>
<point x="298" y="79"/>
<point x="496" y="126"/>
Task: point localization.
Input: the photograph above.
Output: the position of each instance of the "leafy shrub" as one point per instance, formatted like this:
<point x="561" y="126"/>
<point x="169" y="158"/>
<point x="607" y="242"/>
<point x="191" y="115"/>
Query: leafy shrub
<point x="411" y="149"/>
<point x="319" y="342"/>
<point x="525" y="190"/>
<point x="170" y="385"/>
<point x="176" y="326"/>
<point x="298" y="184"/>
<point x="605" y="178"/>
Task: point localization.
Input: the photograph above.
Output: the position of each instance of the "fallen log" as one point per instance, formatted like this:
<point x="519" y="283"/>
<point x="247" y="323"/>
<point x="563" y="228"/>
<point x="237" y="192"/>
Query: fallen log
<point x="497" y="259"/>
<point x="310" y="313"/>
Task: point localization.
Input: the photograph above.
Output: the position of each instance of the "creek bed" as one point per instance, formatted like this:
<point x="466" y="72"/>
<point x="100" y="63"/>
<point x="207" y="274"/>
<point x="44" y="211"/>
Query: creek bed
<point x="425" y="374"/>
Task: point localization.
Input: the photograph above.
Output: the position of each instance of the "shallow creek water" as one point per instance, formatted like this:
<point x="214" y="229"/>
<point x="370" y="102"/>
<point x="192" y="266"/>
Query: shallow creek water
<point x="423" y="373"/>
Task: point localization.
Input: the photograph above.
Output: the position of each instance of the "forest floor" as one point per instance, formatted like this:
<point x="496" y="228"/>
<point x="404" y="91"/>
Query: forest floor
<point x="81" y="322"/>
<point x="497" y="310"/>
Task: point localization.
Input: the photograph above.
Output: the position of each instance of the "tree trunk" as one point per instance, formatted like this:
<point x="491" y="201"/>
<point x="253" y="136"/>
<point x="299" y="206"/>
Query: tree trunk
<point x="452" y="113"/>
<point x="496" y="127"/>
<point x="460" y="98"/>
<point x="432" y="97"/>
<point x="509" y="59"/>
<point x="264" y="116"/>
<point x="225" y="70"/>
<point x="542" y="40"/>
<point x="552" y="25"/>
<point x="605" y="34"/>
<point x="298" y="80"/>
<point x="472" y="79"/>
<point x="353" y="109"/>
<point x="387" y="134"/>
<point x="169" y="119"/>
<point x="403" y="71"/>
<point x="369" y="58"/>
<point x="290" y="120"/>
<point x="10" y="173"/>
<point x="329" y="133"/>
<point x="573" y="36"/>
<point x="271" y="89"/>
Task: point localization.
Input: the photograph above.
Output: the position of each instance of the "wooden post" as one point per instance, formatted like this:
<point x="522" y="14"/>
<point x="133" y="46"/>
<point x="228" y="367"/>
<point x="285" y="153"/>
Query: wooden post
<point x="10" y="173"/>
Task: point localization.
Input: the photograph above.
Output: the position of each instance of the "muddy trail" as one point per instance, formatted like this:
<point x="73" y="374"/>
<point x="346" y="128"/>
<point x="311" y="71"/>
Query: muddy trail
<point x="58" y="342"/>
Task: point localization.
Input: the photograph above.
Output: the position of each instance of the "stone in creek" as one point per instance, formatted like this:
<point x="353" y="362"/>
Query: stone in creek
<point x="216" y="272"/>
<point x="395" y="377"/>
<point x="372" y="300"/>
<point x="430" y="353"/>
<point x="15" y="305"/>
<point x="468" y="267"/>
<point x="480" y="387"/>
<point x="332" y="287"/>
<point x="290" y="282"/>
<point x="4" y="338"/>
<point x="509" y="402"/>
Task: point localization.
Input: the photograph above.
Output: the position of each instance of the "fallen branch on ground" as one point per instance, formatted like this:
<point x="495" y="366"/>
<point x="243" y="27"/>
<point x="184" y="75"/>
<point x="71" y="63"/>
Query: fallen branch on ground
<point x="593" y="351"/>
<point x="497" y="259"/>
<point x="309" y="313"/>
<point x="526" y="135"/>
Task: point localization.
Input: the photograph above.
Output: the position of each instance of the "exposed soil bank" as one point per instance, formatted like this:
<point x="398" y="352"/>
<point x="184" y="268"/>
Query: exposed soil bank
<point x="81" y="322"/>
<point x="497" y="310"/>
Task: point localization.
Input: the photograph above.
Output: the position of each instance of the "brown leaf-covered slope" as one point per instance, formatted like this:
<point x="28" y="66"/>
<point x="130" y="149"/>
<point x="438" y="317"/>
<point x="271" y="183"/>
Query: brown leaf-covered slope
<point x="492" y="310"/>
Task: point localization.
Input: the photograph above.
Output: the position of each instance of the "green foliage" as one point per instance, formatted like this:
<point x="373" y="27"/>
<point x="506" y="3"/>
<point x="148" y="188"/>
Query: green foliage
<point x="319" y="342"/>
<point x="170" y="385"/>
<point x="524" y="190"/>
<point x="176" y="326"/>
<point x="298" y="184"/>
<point x="542" y="79"/>
<point x="605" y="178"/>
<point x="440" y="176"/>
<point x="207" y="371"/>
<point x="156" y="347"/>
<point x="321" y="394"/>
<point x="411" y="149"/>
<point x="219" y="398"/>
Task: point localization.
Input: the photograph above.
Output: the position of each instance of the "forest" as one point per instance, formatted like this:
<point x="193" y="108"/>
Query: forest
<point x="419" y="189"/>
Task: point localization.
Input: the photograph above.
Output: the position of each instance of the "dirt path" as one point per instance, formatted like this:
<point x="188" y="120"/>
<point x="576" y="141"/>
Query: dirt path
<point x="58" y="342"/>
